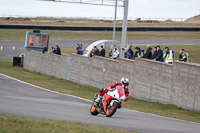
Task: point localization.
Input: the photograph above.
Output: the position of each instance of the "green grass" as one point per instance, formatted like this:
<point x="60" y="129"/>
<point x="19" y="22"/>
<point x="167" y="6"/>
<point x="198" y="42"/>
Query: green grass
<point x="88" y="92"/>
<point x="14" y="34"/>
<point x="13" y="124"/>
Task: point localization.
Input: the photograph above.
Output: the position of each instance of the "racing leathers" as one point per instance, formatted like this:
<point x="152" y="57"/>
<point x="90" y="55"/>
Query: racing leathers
<point x="112" y="87"/>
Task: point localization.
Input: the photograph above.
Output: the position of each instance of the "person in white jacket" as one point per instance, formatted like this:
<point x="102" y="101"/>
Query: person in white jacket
<point x="115" y="53"/>
<point x="169" y="56"/>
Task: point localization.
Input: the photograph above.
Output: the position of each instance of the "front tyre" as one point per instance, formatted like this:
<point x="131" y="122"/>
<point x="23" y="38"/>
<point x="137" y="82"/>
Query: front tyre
<point x="112" y="109"/>
<point x="93" y="110"/>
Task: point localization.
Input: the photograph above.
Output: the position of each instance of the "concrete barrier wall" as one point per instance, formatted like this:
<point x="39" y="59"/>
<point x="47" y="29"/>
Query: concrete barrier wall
<point x="48" y="63"/>
<point x="177" y="84"/>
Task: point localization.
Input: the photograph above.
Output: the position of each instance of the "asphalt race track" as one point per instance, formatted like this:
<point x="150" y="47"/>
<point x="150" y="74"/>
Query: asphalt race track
<point x="21" y="99"/>
<point x="19" y="45"/>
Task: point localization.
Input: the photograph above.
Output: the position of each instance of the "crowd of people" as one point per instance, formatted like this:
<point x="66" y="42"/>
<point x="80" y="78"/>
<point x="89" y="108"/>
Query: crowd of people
<point x="113" y="53"/>
<point x="157" y="54"/>
<point x="56" y="50"/>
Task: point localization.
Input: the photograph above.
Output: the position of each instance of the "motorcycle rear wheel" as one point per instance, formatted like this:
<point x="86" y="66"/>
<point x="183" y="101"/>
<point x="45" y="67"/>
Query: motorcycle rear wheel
<point x="110" y="111"/>
<point x="93" y="110"/>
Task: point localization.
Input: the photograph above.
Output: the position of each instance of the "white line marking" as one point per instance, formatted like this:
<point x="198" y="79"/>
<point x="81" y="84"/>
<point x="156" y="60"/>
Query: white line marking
<point x="90" y="100"/>
<point x="45" y="88"/>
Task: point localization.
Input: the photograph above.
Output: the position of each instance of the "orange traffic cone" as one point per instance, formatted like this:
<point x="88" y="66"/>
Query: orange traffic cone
<point x="13" y="48"/>
<point x="1" y="48"/>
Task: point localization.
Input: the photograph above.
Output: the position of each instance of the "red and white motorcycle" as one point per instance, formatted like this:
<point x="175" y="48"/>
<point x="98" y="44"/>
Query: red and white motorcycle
<point x="109" y="103"/>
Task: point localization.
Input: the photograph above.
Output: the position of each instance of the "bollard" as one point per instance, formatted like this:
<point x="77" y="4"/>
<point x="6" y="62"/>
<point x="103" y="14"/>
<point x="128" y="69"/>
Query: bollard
<point x="1" y="48"/>
<point x="13" y="48"/>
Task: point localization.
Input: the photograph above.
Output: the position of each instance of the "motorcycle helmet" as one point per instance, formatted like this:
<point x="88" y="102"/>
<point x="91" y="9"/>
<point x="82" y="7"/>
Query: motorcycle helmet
<point x="125" y="82"/>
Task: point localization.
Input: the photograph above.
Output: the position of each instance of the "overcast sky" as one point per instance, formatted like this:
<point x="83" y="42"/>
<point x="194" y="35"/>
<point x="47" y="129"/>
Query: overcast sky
<point x="137" y="8"/>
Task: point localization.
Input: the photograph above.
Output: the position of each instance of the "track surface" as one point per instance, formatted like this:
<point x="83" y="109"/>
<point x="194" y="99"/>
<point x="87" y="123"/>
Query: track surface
<point x="19" y="45"/>
<point x="17" y="98"/>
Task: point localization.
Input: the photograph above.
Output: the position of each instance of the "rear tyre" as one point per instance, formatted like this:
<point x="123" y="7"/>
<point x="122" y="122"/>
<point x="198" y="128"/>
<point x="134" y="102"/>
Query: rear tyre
<point x="111" y="110"/>
<point x="93" y="110"/>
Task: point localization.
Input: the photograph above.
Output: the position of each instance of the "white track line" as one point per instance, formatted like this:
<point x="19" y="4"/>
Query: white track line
<point x="45" y="88"/>
<point x="90" y="100"/>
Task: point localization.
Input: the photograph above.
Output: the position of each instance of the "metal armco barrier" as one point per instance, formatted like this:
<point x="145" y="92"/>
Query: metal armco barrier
<point x="98" y="28"/>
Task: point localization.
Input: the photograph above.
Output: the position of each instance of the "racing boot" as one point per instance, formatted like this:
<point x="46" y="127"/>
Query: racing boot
<point x="96" y="102"/>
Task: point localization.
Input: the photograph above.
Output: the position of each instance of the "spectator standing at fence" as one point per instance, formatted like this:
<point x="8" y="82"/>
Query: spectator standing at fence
<point x="183" y="56"/>
<point x="129" y="52"/>
<point x="115" y="52"/>
<point x="95" y="51"/>
<point x="138" y="52"/>
<point x="169" y="56"/>
<point x="58" y="51"/>
<point x="44" y="49"/>
<point x="159" y="54"/>
<point x="78" y="49"/>
<point x="154" y="52"/>
<point x="125" y="51"/>
<point x="148" y="54"/>
<point x="53" y="50"/>
<point x="102" y="52"/>
<point x="81" y="49"/>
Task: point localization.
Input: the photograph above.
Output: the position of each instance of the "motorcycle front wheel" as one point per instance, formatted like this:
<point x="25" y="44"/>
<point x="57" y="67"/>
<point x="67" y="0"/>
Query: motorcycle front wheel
<point x="110" y="110"/>
<point x="93" y="110"/>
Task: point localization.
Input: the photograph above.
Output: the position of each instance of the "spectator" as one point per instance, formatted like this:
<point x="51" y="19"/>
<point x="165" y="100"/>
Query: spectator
<point x="78" y="49"/>
<point x="81" y="49"/>
<point x="44" y="49"/>
<point x="53" y="50"/>
<point x="183" y="56"/>
<point x="129" y="52"/>
<point x="95" y="51"/>
<point x="169" y="56"/>
<point x="154" y="52"/>
<point x="31" y="41"/>
<point x="115" y="53"/>
<point x="58" y="51"/>
<point x="148" y="54"/>
<point x="138" y="52"/>
<point x="102" y="52"/>
<point x="159" y="54"/>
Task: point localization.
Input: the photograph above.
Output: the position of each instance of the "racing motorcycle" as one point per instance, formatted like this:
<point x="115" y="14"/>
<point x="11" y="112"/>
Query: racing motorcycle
<point x="109" y="103"/>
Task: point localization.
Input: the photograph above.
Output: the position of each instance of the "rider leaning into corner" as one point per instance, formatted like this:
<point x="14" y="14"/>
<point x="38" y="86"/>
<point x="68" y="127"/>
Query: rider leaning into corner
<point x="124" y="83"/>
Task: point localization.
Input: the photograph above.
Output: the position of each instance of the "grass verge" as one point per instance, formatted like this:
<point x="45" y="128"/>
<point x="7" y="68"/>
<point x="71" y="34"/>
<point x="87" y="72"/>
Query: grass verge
<point x="13" y="124"/>
<point x="87" y="92"/>
<point x="15" y="34"/>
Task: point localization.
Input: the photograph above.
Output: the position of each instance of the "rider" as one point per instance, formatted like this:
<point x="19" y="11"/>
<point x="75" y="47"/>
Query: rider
<point x="124" y="82"/>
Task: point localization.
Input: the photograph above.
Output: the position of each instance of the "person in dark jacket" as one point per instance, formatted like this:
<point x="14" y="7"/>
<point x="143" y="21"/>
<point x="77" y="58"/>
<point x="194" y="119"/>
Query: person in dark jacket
<point x="102" y="52"/>
<point x="53" y="50"/>
<point x="154" y="52"/>
<point x="148" y="54"/>
<point x="183" y="56"/>
<point x="128" y="52"/>
<point x="58" y="51"/>
<point x="159" y="54"/>
<point x="95" y="51"/>
<point x="78" y="47"/>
